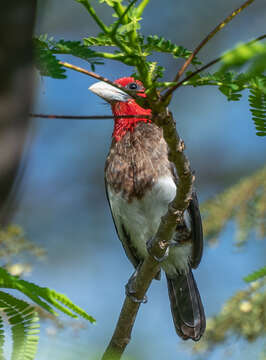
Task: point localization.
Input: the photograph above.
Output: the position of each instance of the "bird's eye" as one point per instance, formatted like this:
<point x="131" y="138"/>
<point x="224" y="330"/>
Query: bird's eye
<point x="133" y="86"/>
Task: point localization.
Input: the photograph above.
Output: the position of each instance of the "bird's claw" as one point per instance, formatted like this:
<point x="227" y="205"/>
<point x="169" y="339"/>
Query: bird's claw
<point x="159" y="259"/>
<point x="131" y="289"/>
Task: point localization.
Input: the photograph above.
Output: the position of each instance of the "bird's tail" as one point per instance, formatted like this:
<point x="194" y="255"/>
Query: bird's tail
<point x="186" y="306"/>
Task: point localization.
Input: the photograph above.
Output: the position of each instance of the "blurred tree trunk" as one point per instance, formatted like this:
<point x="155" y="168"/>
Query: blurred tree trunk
<point x="16" y="84"/>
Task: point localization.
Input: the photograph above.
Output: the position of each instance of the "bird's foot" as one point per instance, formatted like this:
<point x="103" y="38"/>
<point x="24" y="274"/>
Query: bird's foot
<point x="149" y="245"/>
<point x="131" y="289"/>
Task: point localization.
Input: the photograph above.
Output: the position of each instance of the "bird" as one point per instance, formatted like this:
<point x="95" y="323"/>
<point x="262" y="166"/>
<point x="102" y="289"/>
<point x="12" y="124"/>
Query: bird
<point x="140" y="183"/>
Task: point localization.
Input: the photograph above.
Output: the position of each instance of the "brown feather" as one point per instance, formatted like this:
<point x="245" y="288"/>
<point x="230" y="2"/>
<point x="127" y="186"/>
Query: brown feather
<point x="136" y="161"/>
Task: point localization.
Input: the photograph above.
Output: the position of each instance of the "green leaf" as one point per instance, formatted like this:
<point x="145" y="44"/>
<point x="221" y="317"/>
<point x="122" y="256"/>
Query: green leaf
<point x="257" y="101"/>
<point x="159" y="44"/>
<point x="24" y="322"/>
<point x="75" y="48"/>
<point x="101" y="40"/>
<point x="46" y="62"/>
<point x="253" y="53"/>
<point x="256" y="275"/>
<point x="44" y="297"/>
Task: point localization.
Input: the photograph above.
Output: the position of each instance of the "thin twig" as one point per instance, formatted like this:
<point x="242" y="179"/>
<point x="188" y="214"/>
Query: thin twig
<point x="209" y="64"/>
<point x="202" y="44"/>
<point x="86" y="117"/>
<point x="102" y="78"/>
<point x="93" y="14"/>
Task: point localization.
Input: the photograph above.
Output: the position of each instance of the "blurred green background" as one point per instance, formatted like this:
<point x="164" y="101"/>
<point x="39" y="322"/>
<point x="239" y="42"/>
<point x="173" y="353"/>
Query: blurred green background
<point x="63" y="206"/>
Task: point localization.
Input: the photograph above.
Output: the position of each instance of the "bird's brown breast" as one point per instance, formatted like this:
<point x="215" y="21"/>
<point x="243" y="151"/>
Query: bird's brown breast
<point x="135" y="163"/>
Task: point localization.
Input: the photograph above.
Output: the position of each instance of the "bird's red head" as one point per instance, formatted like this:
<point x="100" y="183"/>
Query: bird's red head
<point x="129" y="107"/>
<point x="123" y="104"/>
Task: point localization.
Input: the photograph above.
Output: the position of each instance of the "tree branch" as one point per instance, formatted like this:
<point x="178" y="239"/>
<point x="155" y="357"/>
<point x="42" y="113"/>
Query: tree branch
<point x="86" y="117"/>
<point x="174" y="215"/>
<point x="202" y="44"/>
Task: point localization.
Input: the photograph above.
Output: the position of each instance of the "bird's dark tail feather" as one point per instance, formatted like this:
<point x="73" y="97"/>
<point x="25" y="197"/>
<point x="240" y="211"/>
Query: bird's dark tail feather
<point x="187" y="309"/>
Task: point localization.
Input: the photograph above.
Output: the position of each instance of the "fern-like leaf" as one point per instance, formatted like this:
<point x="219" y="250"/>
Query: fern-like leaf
<point x="42" y="296"/>
<point x="75" y="48"/>
<point x="46" y="62"/>
<point x="244" y="203"/>
<point x="24" y="323"/>
<point x="257" y="101"/>
<point x="159" y="44"/>
<point x="101" y="40"/>
<point x="256" y="275"/>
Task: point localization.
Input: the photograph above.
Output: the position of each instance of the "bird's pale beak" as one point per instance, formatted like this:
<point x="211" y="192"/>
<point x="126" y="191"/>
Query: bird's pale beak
<point x="108" y="92"/>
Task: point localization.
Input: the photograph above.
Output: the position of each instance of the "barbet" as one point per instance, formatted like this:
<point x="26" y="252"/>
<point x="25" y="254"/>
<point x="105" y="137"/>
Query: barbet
<point x="140" y="183"/>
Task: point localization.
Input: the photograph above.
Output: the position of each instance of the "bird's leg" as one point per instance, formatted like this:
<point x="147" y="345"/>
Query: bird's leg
<point x="149" y="245"/>
<point x="131" y="288"/>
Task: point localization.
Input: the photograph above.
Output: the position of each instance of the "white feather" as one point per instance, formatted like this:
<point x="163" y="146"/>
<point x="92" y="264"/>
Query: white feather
<point x="141" y="219"/>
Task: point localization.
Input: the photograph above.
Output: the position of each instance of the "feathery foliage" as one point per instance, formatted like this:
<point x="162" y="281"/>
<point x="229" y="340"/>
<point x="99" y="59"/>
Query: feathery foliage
<point x="23" y="320"/>
<point x="45" y="61"/>
<point x="242" y="315"/>
<point x="257" y="101"/>
<point x="21" y="316"/>
<point x="42" y="296"/>
<point x="232" y="83"/>
<point x="133" y="49"/>
<point x="155" y="43"/>
<point x="13" y="242"/>
<point x="244" y="202"/>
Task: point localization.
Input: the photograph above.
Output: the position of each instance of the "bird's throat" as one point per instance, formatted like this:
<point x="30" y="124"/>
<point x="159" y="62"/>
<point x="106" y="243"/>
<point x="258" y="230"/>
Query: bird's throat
<point x="124" y="124"/>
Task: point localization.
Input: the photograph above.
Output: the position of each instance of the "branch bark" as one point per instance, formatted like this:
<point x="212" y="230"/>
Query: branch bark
<point x="85" y="117"/>
<point x="150" y="266"/>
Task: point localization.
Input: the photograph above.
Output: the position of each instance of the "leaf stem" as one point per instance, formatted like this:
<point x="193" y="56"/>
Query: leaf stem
<point x="121" y="18"/>
<point x="119" y="9"/>
<point x="93" y="14"/>
<point x="202" y="44"/>
<point x="142" y="6"/>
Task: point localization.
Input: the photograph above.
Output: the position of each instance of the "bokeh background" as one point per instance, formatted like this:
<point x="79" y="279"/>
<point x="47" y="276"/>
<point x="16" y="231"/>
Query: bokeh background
<point x="63" y="206"/>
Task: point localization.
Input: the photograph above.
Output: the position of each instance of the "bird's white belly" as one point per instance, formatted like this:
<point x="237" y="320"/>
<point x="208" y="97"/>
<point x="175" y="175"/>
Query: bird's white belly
<point x="141" y="219"/>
